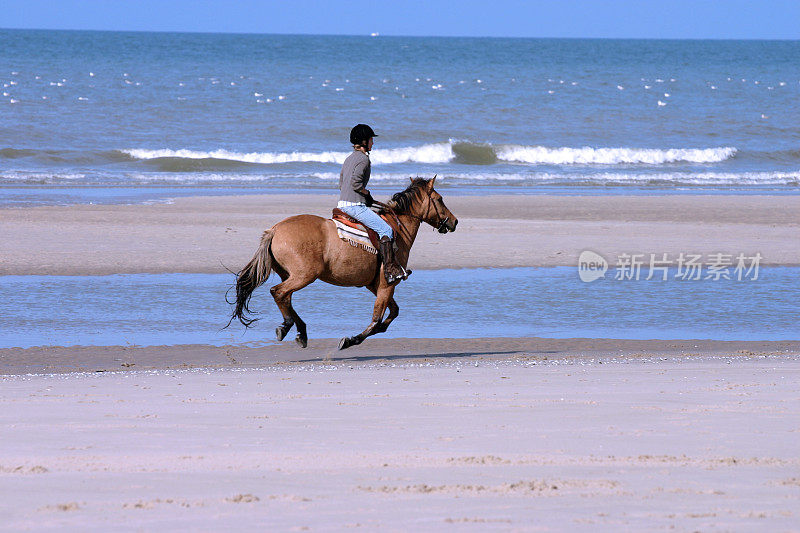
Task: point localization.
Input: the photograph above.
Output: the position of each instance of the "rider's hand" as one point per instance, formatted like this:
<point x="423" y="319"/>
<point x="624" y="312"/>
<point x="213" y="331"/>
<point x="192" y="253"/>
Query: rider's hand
<point x="368" y="198"/>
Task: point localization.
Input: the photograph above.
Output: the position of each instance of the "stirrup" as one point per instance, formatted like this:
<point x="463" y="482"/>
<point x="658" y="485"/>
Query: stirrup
<point x="391" y="278"/>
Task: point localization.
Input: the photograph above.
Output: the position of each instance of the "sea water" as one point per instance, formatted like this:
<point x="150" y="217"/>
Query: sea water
<point x="132" y="117"/>
<point x="156" y="309"/>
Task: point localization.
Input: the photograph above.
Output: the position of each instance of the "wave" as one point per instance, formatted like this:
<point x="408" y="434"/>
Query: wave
<point x="264" y="158"/>
<point x="665" y="179"/>
<point x="467" y="153"/>
<point x="775" y="156"/>
<point x="329" y="180"/>
<point x="15" y="153"/>
<point x="612" y="156"/>
<point x="184" y="164"/>
<point x="74" y="157"/>
<point x="429" y="153"/>
<point x="461" y="152"/>
<point x="15" y="177"/>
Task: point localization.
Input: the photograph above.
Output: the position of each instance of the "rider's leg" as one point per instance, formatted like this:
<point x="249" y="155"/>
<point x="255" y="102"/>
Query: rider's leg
<point x="391" y="269"/>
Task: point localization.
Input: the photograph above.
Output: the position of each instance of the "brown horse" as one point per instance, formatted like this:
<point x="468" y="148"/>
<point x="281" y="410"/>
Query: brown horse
<point x="304" y="248"/>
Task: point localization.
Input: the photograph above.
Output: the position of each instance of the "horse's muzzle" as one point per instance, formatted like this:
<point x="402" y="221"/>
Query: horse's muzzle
<point x="447" y="225"/>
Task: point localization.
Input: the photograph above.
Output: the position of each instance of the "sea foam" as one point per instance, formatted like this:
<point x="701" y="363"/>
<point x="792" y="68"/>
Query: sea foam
<point x="429" y="153"/>
<point x="612" y="156"/>
<point x="463" y="152"/>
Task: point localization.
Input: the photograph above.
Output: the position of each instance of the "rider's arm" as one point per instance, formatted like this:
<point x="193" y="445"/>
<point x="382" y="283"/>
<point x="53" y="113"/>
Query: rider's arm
<point x="360" y="175"/>
<point x="360" y="179"/>
<point x="367" y="196"/>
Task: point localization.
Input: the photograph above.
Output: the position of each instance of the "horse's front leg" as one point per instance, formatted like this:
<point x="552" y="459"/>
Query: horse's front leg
<point x="394" y="310"/>
<point x="383" y="297"/>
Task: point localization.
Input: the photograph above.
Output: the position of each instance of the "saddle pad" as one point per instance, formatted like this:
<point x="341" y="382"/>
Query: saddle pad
<point x="347" y="220"/>
<point x="354" y="237"/>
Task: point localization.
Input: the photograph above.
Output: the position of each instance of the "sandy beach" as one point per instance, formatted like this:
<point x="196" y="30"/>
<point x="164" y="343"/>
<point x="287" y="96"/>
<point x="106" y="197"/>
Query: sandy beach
<point x="523" y="434"/>
<point x="207" y="234"/>
<point x="684" y="443"/>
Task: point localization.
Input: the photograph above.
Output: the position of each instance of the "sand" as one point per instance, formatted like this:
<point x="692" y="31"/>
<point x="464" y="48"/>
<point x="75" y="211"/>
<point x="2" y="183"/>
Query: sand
<point x="65" y="359"/>
<point x="692" y="444"/>
<point x="207" y="234"/>
<point x="513" y="434"/>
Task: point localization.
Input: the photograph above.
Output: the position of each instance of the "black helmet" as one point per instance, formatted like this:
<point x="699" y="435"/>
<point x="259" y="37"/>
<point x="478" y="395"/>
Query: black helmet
<point x="361" y="134"/>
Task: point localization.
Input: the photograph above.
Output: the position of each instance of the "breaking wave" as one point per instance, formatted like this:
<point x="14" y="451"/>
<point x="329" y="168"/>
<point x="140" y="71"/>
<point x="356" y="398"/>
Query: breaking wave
<point x="429" y="153"/>
<point x="457" y="152"/>
<point x="612" y="156"/>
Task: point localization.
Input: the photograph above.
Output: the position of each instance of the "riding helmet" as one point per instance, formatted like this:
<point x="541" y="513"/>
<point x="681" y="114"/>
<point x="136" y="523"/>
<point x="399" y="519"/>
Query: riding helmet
<point x="361" y="134"/>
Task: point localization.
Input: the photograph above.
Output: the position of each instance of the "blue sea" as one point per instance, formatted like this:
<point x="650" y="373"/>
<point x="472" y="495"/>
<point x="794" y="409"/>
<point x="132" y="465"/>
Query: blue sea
<point x="132" y="117"/>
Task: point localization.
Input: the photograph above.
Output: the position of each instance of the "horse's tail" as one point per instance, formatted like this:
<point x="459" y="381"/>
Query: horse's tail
<point x="251" y="277"/>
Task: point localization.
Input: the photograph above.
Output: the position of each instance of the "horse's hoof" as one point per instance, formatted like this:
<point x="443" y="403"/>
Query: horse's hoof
<point x="280" y="333"/>
<point x="301" y="341"/>
<point x="344" y="343"/>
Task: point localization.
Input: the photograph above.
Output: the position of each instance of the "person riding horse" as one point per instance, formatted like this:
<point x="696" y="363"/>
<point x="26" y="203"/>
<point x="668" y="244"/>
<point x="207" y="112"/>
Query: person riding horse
<point x="305" y="248"/>
<point x="356" y="200"/>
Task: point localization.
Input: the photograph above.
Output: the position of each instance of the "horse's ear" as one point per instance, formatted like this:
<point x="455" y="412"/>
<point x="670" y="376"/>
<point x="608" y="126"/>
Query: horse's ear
<point x="412" y="179"/>
<point x="430" y="182"/>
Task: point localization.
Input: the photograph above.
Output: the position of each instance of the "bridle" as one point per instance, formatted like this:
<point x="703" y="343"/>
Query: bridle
<point x="441" y="227"/>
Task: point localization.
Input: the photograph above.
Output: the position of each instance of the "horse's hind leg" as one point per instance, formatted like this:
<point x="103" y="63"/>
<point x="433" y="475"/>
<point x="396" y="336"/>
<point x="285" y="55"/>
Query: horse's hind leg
<point x="288" y="321"/>
<point x="282" y="293"/>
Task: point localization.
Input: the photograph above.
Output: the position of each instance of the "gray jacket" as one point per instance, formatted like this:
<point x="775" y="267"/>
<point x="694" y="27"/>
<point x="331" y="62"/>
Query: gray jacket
<point x="354" y="175"/>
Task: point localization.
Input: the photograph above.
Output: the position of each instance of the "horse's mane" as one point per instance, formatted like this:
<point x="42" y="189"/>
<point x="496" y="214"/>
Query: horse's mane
<point x="401" y="201"/>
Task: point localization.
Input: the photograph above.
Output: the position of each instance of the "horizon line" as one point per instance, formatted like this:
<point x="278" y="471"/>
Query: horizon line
<point x="378" y="35"/>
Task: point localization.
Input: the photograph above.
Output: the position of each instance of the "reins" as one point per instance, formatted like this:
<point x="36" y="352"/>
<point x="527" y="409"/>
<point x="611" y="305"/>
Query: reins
<point x="392" y="211"/>
<point x="389" y="209"/>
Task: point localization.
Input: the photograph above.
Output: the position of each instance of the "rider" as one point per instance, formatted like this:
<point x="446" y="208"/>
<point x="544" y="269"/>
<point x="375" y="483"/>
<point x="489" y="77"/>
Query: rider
<point x="355" y="199"/>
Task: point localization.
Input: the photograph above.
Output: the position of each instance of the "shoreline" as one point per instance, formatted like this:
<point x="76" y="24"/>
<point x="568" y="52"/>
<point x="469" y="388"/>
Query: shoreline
<point x="204" y="234"/>
<point x="425" y="351"/>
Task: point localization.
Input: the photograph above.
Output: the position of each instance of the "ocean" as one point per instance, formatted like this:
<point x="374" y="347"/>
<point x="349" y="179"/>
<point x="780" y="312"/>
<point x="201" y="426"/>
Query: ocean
<point x="138" y="117"/>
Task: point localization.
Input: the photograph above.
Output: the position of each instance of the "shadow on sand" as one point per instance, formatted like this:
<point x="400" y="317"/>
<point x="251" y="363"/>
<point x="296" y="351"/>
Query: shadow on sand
<point x="422" y="356"/>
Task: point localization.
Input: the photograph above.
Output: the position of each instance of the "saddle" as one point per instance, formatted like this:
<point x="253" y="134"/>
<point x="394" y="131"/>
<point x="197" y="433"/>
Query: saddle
<point x="347" y="220"/>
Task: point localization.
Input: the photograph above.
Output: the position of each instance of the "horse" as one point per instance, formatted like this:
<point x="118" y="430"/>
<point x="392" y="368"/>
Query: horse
<point x="305" y="248"/>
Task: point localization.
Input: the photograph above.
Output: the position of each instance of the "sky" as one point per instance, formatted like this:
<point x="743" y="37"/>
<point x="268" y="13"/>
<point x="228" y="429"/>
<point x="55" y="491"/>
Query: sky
<point x="665" y="19"/>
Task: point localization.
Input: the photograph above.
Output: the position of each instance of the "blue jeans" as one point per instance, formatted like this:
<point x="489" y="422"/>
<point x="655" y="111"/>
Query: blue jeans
<point x="369" y="218"/>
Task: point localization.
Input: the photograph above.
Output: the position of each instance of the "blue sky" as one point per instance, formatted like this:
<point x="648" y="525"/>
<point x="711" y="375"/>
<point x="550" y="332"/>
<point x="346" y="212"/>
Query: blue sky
<point x="722" y="19"/>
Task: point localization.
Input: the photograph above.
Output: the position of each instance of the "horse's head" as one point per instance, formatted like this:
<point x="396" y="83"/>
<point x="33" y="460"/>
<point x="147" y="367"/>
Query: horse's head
<point x="421" y="201"/>
<point x="437" y="214"/>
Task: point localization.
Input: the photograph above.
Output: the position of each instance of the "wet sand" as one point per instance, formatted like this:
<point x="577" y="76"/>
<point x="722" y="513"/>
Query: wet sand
<point x="65" y="359"/>
<point x="699" y="444"/>
<point x="207" y="234"/>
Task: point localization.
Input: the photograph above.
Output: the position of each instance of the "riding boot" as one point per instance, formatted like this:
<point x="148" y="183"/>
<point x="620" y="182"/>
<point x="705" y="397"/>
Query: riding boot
<point x="391" y="269"/>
